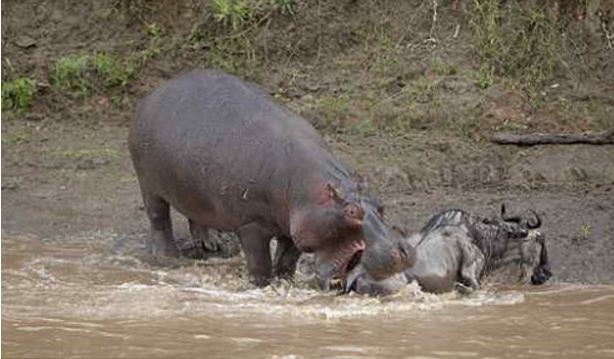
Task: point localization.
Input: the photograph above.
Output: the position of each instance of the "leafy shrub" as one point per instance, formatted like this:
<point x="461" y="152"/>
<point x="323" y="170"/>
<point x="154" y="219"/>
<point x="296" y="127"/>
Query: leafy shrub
<point x="18" y="94"/>
<point x="78" y="74"/>
<point x="232" y="13"/>
<point x="70" y="75"/>
<point x="516" y="39"/>
<point x="111" y="71"/>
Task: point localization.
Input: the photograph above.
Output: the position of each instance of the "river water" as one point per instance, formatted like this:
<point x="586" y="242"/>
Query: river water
<point x="84" y="298"/>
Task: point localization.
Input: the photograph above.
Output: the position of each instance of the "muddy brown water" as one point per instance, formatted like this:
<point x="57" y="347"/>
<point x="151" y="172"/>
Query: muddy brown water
<point x="83" y="299"/>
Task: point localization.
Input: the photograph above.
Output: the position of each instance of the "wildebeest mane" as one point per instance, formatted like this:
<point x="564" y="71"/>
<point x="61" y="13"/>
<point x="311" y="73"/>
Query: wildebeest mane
<point x="446" y="217"/>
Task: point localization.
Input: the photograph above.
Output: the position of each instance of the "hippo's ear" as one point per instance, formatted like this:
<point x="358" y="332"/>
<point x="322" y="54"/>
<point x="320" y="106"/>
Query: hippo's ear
<point x="354" y="213"/>
<point x="332" y="192"/>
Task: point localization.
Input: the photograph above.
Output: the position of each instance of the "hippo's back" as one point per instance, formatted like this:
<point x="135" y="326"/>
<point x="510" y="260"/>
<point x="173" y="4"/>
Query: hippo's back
<point x="205" y="140"/>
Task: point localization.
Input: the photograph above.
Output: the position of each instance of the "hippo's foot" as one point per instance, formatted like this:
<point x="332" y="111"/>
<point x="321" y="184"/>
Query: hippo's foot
<point x="160" y="245"/>
<point x="286" y="257"/>
<point x="255" y="241"/>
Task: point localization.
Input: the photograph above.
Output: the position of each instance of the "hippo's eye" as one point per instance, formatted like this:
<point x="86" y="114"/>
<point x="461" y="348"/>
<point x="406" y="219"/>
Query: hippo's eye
<point x="354" y="211"/>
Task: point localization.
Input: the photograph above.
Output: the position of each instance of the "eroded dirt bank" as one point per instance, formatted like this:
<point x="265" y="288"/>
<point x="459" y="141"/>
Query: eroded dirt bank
<point x="52" y="194"/>
<point x="404" y="112"/>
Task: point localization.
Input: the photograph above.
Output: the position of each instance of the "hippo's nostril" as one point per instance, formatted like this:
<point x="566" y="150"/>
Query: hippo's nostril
<point x="407" y="254"/>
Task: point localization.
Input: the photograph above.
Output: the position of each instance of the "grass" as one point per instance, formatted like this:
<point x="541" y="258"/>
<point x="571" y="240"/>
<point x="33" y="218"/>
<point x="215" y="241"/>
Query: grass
<point x="585" y="231"/>
<point x="83" y="159"/>
<point x="440" y="68"/>
<point x="78" y="75"/>
<point x="16" y="138"/>
<point x="70" y="74"/>
<point x="520" y="40"/>
<point x="232" y="13"/>
<point x="236" y="15"/>
<point x="17" y="95"/>
<point x="285" y="7"/>
<point x="82" y="154"/>
<point x="336" y="111"/>
<point x="386" y="61"/>
<point x="111" y="71"/>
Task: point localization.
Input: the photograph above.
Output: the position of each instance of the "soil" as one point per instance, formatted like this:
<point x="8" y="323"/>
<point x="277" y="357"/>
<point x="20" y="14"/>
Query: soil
<point x="66" y="169"/>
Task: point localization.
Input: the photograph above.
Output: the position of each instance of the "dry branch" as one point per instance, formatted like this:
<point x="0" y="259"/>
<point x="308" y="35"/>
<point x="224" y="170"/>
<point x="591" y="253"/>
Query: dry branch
<point x="598" y="138"/>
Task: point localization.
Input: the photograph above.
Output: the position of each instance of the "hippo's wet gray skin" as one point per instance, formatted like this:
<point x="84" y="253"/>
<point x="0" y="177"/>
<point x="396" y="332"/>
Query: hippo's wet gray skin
<point x="225" y="155"/>
<point x="455" y="250"/>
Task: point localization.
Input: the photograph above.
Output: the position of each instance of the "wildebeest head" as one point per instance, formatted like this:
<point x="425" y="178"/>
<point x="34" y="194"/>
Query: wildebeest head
<point x="515" y="248"/>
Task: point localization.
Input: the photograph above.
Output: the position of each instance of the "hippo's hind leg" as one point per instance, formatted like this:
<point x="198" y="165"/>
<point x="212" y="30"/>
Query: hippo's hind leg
<point x="158" y="212"/>
<point x="255" y="243"/>
<point x="286" y="256"/>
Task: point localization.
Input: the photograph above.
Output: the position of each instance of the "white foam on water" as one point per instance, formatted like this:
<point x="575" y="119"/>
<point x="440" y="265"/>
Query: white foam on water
<point x="128" y="288"/>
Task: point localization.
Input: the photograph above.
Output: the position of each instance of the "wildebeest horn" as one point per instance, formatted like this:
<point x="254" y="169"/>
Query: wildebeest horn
<point x="506" y="218"/>
<point x="534" y="224"/>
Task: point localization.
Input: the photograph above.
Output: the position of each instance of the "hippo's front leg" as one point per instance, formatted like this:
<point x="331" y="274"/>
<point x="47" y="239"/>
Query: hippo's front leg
<point x="255" y="243"/>
<point x="286" y="256"/>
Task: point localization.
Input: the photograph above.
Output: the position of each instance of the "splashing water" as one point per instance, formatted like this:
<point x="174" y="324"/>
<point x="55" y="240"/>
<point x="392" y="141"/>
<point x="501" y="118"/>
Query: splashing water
<point x="96" y="296"/>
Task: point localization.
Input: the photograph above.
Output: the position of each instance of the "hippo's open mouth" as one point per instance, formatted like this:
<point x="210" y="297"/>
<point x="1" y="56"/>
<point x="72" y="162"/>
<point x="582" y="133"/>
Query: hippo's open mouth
<point x="346" y="259"/>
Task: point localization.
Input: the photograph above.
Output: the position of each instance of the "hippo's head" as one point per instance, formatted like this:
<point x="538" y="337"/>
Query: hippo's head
<point x="520" y="241"/>
<point x="343" y="230"/>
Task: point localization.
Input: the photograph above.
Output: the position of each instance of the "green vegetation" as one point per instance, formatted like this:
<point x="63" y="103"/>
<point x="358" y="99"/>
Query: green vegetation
<point x="235" y="14"/>
<point x="70" y="74"/>
<point x="440" y="68"/>
<point x="79" y="159"/>
<point x="17" y="95"/>
<point x="585" y="231"/>
<point x="78" y="74"/>
<point x="232" y="13"/>
<point x="230" y="29"/>
<point x="16" y="138"/>
<point x="386" y="61"/>
<point x="82" y="154"/>
<point x="285" y="7"/>
<point x="520" y="40"/>
<point x="111" y="71"/>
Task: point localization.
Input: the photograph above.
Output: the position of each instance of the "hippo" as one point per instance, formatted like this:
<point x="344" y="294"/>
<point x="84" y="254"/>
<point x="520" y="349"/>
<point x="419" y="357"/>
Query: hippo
<point x="227" y="156"/>
<point x="455" y="250"/>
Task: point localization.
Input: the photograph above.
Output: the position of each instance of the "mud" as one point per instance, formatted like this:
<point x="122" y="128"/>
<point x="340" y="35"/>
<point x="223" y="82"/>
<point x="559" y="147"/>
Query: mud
<point x="76" y="280"/>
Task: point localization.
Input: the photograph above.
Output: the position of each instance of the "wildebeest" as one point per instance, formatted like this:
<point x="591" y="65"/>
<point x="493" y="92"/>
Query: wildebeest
<point x="455" y="250"/>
